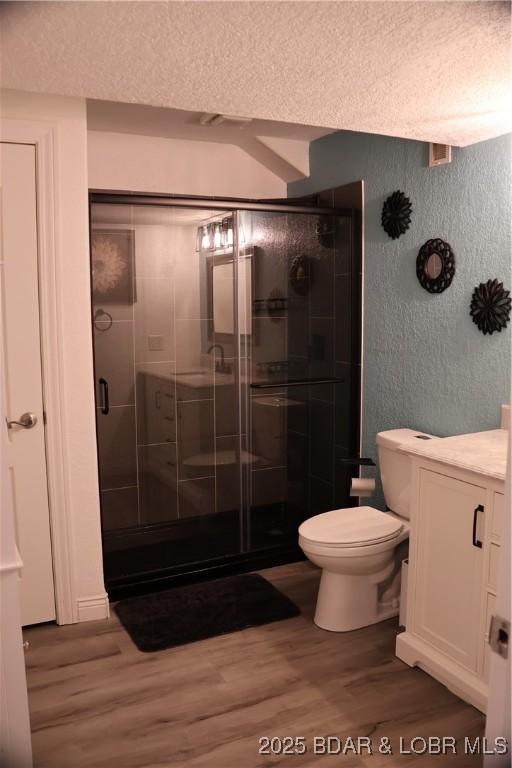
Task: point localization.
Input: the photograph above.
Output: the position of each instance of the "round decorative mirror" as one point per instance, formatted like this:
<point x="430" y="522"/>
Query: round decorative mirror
<point x="435" y="265"/>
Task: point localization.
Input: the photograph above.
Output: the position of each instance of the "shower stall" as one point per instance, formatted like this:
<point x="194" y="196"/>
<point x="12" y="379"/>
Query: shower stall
<point x="227" y="374"/>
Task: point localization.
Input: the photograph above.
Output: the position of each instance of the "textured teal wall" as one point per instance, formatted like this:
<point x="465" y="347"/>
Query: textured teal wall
<point x="426" y="365"/>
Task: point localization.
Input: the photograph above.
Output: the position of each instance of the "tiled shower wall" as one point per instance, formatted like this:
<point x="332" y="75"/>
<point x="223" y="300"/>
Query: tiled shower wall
<point x="318" y="336"/>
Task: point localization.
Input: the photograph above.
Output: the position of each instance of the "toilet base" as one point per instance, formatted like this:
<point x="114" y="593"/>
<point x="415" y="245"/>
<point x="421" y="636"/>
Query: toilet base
<point x="346" y="602"/>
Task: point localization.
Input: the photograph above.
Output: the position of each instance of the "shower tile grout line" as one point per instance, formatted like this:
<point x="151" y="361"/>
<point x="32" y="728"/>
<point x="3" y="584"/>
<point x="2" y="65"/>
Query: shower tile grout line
<point x="193" y="479"/>
<point x="120" y="488"/>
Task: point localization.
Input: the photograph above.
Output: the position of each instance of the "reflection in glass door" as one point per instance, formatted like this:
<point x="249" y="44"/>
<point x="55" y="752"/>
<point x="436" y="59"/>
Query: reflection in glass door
<point x="225" y="387"/>
<point x="165" y="362"/>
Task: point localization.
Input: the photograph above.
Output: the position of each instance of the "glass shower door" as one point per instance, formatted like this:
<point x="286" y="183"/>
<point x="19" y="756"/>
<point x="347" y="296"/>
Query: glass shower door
<point x="297" y="364"/>
<point x="168" y="410"/>
<point x="226" y="369"/>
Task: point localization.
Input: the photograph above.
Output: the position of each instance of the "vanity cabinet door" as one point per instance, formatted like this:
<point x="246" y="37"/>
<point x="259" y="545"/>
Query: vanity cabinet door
<point x="449" y="563"/>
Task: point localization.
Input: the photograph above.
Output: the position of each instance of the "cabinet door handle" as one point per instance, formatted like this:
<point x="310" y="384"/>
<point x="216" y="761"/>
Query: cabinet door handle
<point x="476" y="542"/>
<point x="105" y="404"/>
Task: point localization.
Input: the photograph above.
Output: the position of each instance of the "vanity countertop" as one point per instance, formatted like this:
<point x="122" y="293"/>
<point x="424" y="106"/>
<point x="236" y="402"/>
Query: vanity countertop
<point x="482" y="452"/>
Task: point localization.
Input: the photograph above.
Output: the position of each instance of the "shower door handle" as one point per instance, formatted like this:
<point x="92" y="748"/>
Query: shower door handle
<point x="105" y="404"/>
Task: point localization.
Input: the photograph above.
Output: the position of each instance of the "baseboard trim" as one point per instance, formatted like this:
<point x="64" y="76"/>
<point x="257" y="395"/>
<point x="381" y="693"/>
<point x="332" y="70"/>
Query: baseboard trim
<point x="93" y="608"/>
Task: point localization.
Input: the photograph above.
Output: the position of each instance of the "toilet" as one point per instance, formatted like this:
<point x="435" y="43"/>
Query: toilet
<point x="360" y="549"/>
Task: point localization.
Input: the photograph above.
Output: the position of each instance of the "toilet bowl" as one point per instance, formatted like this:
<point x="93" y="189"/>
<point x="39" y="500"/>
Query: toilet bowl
<point x="355" y="547"/>
<point x="360" y="549"/>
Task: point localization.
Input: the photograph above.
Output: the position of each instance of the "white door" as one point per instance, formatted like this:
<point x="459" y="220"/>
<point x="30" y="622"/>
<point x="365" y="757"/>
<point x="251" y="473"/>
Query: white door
<point x="498" y="724"/>
<point x="449" y="566"/>
<point x="24" y="395"/>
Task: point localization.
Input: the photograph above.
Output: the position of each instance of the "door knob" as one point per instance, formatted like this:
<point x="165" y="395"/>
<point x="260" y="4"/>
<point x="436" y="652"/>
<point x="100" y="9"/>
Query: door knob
<point x="26" y="420"/>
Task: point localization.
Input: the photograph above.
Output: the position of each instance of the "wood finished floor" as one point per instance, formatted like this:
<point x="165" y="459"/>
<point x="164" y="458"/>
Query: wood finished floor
<point x="97" y="702"/>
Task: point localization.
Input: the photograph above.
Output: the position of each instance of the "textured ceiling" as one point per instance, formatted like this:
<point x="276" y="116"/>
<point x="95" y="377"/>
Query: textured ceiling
<point x="435" y="71"/>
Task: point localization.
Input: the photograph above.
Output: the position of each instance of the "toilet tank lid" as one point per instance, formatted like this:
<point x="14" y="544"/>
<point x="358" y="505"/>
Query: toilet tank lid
<point x="394" y="438"/>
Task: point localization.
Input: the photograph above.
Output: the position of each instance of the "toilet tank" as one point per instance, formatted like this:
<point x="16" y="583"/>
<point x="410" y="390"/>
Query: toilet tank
<point x="395" y="468"/>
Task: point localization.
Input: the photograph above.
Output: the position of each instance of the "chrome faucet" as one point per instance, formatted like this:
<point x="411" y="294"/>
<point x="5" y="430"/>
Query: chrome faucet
<point x="220" y="365"/>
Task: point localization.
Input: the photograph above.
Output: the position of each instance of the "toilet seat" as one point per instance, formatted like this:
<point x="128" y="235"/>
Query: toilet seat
<point x="350" y="527"/>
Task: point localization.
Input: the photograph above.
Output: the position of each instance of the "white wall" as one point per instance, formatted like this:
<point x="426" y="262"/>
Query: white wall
<point x="68" y="116"/>
<point x="121" y="161"/>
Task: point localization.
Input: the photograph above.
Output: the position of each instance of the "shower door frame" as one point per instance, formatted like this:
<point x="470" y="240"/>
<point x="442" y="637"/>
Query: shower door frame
<point x="245" y="560"/>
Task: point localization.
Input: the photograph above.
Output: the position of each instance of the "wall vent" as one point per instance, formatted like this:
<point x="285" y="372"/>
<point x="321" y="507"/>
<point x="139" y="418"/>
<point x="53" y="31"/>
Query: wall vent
<point x="439" y="154"/>
<point x="234" y="121"/>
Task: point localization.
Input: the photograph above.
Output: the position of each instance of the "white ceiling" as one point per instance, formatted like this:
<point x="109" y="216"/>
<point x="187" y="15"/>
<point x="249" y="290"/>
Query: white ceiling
<point x="437" y="71"/>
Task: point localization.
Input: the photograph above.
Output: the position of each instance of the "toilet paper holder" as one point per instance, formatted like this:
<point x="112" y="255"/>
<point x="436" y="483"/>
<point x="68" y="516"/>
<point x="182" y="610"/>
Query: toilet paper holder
<point x="357" y="461"/>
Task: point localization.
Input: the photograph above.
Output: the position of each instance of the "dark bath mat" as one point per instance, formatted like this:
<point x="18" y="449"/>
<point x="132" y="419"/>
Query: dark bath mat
<point x="198" y="611"/>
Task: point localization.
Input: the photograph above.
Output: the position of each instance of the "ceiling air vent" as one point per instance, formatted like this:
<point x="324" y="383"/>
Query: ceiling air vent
<point x="233" y="121"/>
<point x="439" y="154"/>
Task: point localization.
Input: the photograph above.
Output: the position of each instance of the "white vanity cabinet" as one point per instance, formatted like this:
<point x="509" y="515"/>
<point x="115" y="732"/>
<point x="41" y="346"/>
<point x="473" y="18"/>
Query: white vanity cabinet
<point x="453" y="556"/>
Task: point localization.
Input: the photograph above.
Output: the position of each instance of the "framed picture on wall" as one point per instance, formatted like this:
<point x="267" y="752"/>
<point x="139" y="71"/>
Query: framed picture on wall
<point x="113" y="266"/>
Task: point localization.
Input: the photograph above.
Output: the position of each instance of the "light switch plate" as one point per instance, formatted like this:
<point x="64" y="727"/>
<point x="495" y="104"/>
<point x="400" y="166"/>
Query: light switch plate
<point x="155" y="343"/>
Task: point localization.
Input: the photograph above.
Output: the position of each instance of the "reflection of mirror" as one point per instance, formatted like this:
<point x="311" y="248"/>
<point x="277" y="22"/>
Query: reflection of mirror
<point x="222" y="277"/>
<point x="221" y="307"/>
<point x="433" y="266"/>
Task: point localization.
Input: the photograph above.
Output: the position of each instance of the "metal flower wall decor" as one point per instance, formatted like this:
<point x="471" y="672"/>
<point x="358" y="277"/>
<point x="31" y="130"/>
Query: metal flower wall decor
<point x="490" y="306"/>
<point x="396" y="214"/>
<point x="325" y="231"/>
